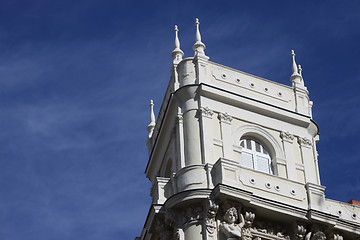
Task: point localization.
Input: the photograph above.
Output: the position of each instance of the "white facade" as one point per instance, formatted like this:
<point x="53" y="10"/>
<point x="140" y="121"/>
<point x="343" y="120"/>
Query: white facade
<point x="234" y="156"/>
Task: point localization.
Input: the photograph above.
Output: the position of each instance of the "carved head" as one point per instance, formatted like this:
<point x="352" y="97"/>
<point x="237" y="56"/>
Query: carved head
<point x="318" y="236"/>
<point x="231" y="215"/>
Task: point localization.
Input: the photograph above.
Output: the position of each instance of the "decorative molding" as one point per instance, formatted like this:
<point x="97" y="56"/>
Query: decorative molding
<point x="225" y="118"/>
<point x="206" y="112"/>
<point x="304" y="142"/>
<point x="286" y="136"/>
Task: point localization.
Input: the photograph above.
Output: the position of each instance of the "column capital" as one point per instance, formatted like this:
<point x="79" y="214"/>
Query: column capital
<point x="304" y="142"/>
<point x="286" y="136"/>
<point x="206" y="112"/>
<point x="225" y="118"/>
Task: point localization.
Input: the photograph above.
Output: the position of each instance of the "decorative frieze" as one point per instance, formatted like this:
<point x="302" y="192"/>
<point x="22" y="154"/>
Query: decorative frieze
<point x="206" y="112"/>
<point x="225" y="118"/>
<point x="269" y="230"/>
<point x="286" y="136"/>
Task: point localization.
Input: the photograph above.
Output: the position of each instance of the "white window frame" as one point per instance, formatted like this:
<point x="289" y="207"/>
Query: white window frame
<point x="264" y="153"/>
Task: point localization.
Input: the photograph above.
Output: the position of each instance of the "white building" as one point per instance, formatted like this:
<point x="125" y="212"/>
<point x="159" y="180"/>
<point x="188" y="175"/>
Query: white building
<point x="234" y="156"/>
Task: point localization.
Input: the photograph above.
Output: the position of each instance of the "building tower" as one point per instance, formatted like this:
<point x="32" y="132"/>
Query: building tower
<point x="233" y="156"/>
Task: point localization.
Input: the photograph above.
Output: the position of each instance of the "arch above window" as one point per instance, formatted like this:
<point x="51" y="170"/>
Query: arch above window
<point x="255" y="132"/>
<point x="255" y="156"/>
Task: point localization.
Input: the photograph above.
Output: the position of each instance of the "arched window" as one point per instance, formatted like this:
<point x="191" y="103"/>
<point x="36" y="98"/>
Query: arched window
<point x="255" y="156"/>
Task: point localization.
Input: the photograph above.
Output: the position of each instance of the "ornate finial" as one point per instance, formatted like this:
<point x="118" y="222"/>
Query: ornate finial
<point x="300" y="70"/>
<point x="199" y="47"/>
<point x="294" y="67"/>
<point x="177" y="54"/>
<point x="295" y="76"/>
<point x="151" y="125"/>
<point x="197" y="36"/>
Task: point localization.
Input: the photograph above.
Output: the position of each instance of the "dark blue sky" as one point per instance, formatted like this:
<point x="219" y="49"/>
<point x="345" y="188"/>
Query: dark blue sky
<point x="76" y="78"/>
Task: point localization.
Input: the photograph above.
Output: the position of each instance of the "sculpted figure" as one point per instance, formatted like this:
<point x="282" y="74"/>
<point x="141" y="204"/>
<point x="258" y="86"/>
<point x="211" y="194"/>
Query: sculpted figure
<point x="229" y="227"/>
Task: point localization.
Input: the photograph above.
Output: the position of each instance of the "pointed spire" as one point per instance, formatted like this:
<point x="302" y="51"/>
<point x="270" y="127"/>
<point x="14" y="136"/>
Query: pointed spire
<point x="177" y="54"/>
<point x="295" y="76"/>
<point x="199" y="47"/>
<point x="151" y="125"/>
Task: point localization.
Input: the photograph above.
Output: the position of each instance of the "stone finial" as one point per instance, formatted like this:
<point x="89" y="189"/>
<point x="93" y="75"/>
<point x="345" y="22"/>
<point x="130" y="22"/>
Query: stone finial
<point x="295" y="76"/>
<point x="177" y="53"/>
<point x="300" y="70"/>
<point x="294" y="67"/>
<point x="199" y="47"/>
<point x="151" y="125"/>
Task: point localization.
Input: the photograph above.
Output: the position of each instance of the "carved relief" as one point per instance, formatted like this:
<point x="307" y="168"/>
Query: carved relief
<point x="229" y="227"/>
<point x="337" y="237"/>
<point x="206" y="112"/>
<point x="315" y="234"/>
<point x="179" y="118"/>
<point x="249" y="219"/>
<point x="266" y="229"/>
<point x="210" y="221"/>
<point x="233" y="221"/>
<point x="286" y="136"/>
<point x="299" y="231"/>
<point x="224" y="117"/>
<point x="193" y="214"/>
<point x="304" y="141"/>
<point x="163" y="231"/>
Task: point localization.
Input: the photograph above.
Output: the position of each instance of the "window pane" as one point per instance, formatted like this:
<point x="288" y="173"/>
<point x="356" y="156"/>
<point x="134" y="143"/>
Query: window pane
<point x="263" y="164"/>
<point x="247" y="160"/>
<point x="264" y="151"/>
<point x="242" y="143"/>
<point x="248" y="144"/>
<point x="257" y="147"/>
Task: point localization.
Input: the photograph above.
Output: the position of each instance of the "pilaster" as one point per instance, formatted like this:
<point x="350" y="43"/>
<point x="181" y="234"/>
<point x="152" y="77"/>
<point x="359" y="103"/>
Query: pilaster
<point x="206" y="134"/>
<point x="308" y="160"/>
<point x="288" y="140"/>
<point x="225" y="126"/>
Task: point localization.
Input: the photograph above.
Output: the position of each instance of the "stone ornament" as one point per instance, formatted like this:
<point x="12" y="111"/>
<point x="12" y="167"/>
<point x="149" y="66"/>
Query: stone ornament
<point x="206" y="112"/>
<point x="287" y="136"/>
<point x="300" y="232"/>
<point x="304" y="141"/>
<point x="270" y="230"/>
<point x="179" y="118"/>
<point x="229" y="227"/>
<point x="199" y="46"/>
<point x="224" y="117"/>
<point x="177" y="53"/>
<point x="315" y="235"/>
<point x="210" y="220"/>
<point x="338" y="237"/>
